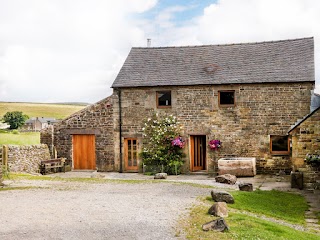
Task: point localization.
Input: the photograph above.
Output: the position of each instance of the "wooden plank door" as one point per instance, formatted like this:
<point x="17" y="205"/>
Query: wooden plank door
<point x="84" y="154"/>
<point x="198" y="153"/>
<point x="131" y="154"/>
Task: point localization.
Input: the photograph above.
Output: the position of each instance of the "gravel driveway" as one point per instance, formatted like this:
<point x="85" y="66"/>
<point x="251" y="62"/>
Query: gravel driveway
<point x="77" y="210"/>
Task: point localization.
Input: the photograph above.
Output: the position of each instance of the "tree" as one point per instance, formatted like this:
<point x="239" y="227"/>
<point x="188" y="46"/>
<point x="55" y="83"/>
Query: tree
<point x="15" y="119"/>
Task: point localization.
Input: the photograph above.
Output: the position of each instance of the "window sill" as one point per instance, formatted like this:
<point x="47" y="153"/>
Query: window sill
<point x="163" y="107"/>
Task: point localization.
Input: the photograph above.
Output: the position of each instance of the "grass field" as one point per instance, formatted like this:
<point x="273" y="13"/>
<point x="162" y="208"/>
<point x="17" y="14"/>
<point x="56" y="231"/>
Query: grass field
<point x="283" y="206"/>
<point x="24" y="138"/>
<point x="58" y="111"/>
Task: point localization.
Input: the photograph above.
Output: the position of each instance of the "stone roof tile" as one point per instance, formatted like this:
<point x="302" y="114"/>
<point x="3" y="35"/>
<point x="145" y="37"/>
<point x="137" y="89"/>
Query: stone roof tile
<point x="262" y="62"/>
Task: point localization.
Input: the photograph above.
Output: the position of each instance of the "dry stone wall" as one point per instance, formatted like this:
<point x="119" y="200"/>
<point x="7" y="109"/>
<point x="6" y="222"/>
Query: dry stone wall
<point x="26" y="158"/>
<point x="0" y="165"/>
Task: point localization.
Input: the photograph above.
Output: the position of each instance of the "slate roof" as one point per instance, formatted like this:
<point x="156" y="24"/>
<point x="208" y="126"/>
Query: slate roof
<point x="261" y="62"/>
<point x="42" y="120"/>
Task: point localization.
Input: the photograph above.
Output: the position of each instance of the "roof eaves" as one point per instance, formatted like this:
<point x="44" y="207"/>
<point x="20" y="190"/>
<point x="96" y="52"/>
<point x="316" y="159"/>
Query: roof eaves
<point x="305" y="118"/>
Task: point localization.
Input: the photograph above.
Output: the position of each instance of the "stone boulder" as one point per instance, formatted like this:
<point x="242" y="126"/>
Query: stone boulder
<point x="246" y="187"/>
<point x="160" y="176"/>
<point x="216" y="225"/>
<point x="219" y="209"/>
<point x="222" y="196"/>
<point x="226" y="178"/>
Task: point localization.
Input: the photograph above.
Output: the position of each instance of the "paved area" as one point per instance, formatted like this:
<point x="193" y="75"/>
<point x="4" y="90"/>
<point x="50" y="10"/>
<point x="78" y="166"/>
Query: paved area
<point x="263" y="182"/>
<point x="78" y="210"/>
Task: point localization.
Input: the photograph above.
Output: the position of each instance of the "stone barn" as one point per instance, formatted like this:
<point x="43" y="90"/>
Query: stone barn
<point x="246" y="95"/>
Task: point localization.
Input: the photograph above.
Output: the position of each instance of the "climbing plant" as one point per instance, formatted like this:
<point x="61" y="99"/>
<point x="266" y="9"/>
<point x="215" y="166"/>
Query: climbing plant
<point x="162" y="144"/>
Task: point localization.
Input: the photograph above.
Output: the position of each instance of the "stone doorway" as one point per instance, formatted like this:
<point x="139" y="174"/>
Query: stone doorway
<point x="198" y="153"/>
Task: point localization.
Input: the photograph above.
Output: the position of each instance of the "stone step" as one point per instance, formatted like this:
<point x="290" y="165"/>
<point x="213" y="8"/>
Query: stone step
<point x="308" y="220"/>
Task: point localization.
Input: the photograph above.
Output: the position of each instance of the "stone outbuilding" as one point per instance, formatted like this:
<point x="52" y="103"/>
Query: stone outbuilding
<point x="246" y="95"/>
<point x="305" y="137"/>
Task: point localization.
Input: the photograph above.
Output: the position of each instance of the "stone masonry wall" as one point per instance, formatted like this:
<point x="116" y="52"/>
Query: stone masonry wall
<point x="46" y="137"/>
<point x="306" y="139"/>
<point x="260" y="110"/>
<point x="96" y="119"/>
<point x="0" y="165"/>
<point x="26" y="158"/>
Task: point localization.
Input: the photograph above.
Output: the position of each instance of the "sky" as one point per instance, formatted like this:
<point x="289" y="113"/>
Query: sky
<point x="72" y="50"/>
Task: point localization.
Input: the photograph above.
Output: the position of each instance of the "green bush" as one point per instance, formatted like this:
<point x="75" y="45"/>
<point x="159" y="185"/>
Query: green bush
<point x="162" y="144"/>
<point x="15" y="131"/>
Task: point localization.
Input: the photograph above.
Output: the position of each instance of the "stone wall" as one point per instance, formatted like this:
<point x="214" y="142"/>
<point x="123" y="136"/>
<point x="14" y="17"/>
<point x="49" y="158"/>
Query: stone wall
<point x="306" y="139"/>
<point x="260" y="110"/>
<point x="96" y="119"/>
<point x="0" y="165"/>
<point x="46" y="137"/>
<point x="26" y="158"/>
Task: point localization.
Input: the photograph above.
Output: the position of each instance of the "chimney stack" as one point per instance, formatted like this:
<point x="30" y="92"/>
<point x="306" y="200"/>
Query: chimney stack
<point x="148" y="42"/>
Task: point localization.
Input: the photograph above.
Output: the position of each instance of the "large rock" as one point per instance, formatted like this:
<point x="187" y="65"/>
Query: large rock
<point x="226" y="178"/>
<point x="238" y="166"/>
<point x="219" y="209"/>
<point x="216" y="225"/>
<point x="222" y="196"/>
<point x="160" y="176"/>
<point x="246" y="187"/>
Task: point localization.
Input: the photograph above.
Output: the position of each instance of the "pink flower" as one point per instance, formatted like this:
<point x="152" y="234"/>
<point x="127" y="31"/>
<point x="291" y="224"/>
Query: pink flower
<point x="178" y="141"/>
<point x="214" y="144"/>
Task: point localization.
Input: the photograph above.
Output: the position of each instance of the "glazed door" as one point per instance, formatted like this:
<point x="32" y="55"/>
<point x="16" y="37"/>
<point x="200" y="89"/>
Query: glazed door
<point x="84" y="154"/>
<point x="131" y="154"/>
<point x="198" y="153"/>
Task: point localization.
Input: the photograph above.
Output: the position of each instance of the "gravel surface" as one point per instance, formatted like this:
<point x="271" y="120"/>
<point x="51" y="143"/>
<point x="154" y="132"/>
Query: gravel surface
<point x="76" y="210"/>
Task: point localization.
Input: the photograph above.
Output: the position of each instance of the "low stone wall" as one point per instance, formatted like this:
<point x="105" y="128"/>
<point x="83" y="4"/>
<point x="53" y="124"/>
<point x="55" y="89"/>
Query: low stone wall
<point x="311" y="178"/>
<point x="0" y="165"/>
<point x="26" y="158"/>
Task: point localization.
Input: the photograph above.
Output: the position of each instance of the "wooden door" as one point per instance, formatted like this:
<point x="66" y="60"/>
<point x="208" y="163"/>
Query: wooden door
<point x="84" y="153"/>
<point x="198" y="153"/>
<point x="131" y="154"/>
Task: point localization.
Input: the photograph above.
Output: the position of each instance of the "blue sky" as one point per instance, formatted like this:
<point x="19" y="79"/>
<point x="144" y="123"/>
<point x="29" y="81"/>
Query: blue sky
<point x="67" y="51"/>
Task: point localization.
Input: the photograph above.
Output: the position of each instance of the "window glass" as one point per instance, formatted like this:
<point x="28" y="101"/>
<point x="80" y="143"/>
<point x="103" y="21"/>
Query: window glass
<point x="226" y="97"/>
<point x="279" y="144"/>
<point x="164" y="98"/>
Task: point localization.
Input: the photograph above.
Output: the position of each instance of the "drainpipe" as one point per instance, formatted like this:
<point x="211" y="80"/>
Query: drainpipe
<point x="120" y="131"/>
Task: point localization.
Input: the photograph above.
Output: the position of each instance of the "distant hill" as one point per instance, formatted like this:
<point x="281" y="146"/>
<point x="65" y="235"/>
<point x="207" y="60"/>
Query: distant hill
<point x="55" y="110"/>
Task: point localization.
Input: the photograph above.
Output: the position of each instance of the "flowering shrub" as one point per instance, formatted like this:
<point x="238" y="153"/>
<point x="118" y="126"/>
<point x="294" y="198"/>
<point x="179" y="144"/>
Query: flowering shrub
<point x="214" y="144"/>
<point x="162" y="144"/>
<point x="313" y="159"/>
<point x="178" y="141"/>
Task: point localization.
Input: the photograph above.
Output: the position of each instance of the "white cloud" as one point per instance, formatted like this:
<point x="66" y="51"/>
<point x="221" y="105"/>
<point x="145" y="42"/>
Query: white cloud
<point x="65" y="50"/>
<point x="234" y="21"/>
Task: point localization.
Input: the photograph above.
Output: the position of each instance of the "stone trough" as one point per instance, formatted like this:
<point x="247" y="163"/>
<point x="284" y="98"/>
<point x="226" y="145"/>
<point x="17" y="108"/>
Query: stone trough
<point x="238" y="166"/>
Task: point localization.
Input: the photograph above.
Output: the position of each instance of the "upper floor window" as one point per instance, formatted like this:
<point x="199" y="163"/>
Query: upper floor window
<point x="164" y="99"/>
<point x="279" y="145"/>
<point x="226" y="98"/>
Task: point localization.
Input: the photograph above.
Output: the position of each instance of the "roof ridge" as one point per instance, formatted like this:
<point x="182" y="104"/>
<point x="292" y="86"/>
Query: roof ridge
<point x="227" y="44"/>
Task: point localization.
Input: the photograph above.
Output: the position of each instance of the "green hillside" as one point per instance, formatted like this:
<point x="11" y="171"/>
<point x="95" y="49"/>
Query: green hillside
<point x="56" y="110"/>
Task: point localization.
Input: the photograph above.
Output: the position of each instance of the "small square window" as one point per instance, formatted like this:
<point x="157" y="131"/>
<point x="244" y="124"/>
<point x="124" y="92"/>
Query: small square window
<point x="164" y="99"/>
<point x="279" y="145"/>
<point x="226" y="98"/>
